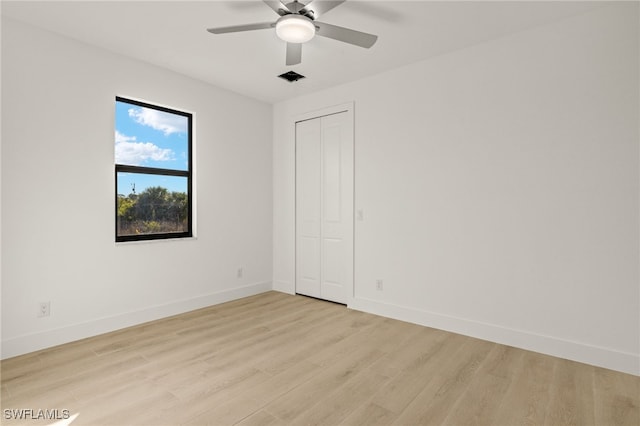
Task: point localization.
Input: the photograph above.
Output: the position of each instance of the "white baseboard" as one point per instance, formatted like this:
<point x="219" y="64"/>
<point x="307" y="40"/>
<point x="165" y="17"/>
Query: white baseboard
<point x="49" y="338"/>
<point x="575" y="351"/>
<point x="284" y="287"/>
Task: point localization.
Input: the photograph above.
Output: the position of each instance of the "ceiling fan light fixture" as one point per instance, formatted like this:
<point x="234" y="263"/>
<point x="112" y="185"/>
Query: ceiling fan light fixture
<point x="295" y="28"/>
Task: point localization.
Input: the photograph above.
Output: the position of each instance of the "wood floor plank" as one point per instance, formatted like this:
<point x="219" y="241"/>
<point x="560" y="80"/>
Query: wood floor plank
<point x="484" y="394"/>
<point x="272" y="340"/>
<point x="4" y="392"/>
<point x="235" y="409"/>
<point x="338" y="404"/>
<point x="275" y="359"/>
<point x="417" y="342"/>
<point x="585" y="397"/>
<point x="432" y="404"/>
<point x="528" y="396"/>
<point x="211" y="393"/>
<point x="260" y="418"/>
<point x="64" y="378"/>
<point x="134" y="405"/>
<point x="282" y="383"/>
<point x="427" y="361"/>
<point x="305" y="396"/>
<point x="318" y="346"/>
<point x="571" y="395"/>
<point x="617" y="398"/>
<point x="369" y="414"/>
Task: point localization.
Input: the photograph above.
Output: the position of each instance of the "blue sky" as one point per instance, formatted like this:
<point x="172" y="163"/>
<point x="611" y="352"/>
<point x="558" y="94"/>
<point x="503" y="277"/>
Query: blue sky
<point x="150" y="138"/>
<point x="127" y="181"/>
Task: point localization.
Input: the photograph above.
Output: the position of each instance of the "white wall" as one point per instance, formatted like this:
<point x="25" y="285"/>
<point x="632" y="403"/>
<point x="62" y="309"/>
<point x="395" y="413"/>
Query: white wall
<point x="500" y="189"/>
<point x="58" y="194"/>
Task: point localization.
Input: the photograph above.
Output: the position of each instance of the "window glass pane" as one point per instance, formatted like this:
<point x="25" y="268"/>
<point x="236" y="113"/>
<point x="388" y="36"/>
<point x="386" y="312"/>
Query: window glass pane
<point x="151" y="204"/>
<point x="149" y="137"/>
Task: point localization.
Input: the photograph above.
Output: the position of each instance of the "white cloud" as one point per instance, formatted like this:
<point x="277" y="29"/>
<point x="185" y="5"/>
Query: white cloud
<point x="123" y="138"/>
<point x="159" y="120"/>
<point x="133" y="153"/>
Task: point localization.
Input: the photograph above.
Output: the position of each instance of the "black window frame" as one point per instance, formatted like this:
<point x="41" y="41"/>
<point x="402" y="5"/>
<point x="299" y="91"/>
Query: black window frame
<point x="123" y="168"/>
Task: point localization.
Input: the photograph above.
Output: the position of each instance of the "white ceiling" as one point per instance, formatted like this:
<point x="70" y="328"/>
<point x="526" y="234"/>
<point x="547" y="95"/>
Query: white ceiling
<point x="172" y="34"/>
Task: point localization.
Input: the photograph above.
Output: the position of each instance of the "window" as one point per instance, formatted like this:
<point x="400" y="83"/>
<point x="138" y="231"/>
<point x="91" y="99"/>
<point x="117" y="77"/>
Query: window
<point x="153" y="168"/>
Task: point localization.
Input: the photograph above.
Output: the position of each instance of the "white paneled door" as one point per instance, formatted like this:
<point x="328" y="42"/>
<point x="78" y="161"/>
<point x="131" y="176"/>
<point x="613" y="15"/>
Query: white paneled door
<point x="324" y="207"/>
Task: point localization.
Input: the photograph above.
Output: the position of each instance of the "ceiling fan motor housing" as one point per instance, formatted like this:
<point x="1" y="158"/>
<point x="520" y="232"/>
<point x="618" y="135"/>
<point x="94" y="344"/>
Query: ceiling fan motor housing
<point x="294" y="28"/>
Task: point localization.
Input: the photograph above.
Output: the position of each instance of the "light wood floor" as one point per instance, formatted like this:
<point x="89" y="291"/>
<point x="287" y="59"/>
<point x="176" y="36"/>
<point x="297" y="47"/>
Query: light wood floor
<point x="275" y="359"/>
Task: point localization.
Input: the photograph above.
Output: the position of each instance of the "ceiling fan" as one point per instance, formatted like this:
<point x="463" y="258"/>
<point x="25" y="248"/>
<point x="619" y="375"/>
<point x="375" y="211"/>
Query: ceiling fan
<point x="297" y="25"/>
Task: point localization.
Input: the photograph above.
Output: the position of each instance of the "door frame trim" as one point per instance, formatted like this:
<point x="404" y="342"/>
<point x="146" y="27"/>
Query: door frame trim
<point x="348" y="108"/>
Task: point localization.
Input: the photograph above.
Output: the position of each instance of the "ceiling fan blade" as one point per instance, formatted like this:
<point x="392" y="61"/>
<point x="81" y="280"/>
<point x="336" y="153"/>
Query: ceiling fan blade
<point x="318" y="8"/>
<point x="277" y="7"/>
<point x="294" y="53"/>
<point x="346" y="35"/>
<point x="238" y="28"/>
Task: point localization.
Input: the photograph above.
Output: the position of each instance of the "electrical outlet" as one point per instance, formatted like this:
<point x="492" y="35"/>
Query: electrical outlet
<point x="379" y="285"/>
<point x="44" y="309"/>
<point x="240" y="273"/>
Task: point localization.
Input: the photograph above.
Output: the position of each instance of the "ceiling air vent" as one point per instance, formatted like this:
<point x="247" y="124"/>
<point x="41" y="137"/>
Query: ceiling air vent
<point x="291" y="76"/>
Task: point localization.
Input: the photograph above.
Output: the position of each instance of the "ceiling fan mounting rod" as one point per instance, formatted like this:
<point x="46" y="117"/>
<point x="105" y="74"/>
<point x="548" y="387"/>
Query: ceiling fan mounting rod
<point x="294" y="6"/>
<point x="297" y="8"/>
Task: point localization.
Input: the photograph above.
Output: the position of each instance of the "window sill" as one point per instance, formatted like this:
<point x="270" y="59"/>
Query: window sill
<point x="160" y="240"/>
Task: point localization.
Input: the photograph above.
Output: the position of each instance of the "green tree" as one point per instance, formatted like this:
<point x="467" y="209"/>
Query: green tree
<point x="152" y="204"/>
<point x="126" y="208"/>
<point x="153" y="210"/>
<point x="178" y="206"/>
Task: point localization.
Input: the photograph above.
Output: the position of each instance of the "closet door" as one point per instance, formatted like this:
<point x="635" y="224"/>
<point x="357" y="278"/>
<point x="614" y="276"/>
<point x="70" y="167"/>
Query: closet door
<point x="324" y="207"/>
<point x="308" y="207"/>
